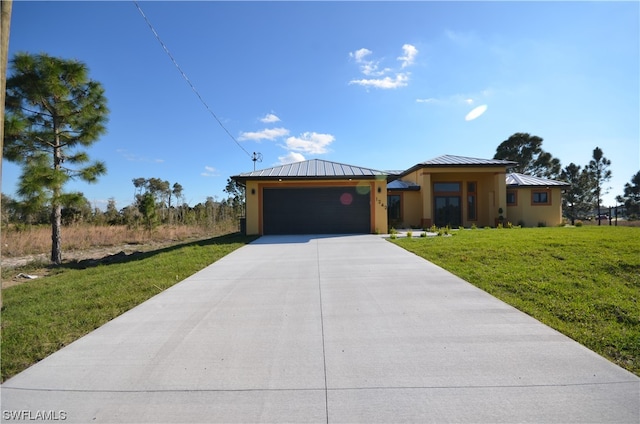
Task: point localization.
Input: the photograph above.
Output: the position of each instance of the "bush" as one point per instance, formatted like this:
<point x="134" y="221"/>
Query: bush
<point x="423" y="234"/>
<point x="578" y="223"/>
<point x="409" y="234"/>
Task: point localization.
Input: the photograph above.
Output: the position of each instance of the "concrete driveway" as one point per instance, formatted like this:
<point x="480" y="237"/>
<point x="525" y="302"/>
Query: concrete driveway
<point x="323" y="329"/>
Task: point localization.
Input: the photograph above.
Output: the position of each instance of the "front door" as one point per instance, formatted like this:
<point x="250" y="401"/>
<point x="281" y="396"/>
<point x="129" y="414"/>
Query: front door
<point x="448" y="211"/>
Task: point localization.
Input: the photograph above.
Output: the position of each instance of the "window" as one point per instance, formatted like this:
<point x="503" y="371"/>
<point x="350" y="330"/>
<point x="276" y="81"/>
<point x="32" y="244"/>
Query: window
<point x="446" y="187"/>
<point x="540" y="197"/>
<point x="512" y="198"/>
<point x="393" y="207"/>
<point x="472" y="206"/>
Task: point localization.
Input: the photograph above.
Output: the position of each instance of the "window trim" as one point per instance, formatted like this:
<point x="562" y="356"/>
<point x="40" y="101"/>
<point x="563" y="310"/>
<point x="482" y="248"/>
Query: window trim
<point x="475" y="201"/>
<point x="539" y="191"/>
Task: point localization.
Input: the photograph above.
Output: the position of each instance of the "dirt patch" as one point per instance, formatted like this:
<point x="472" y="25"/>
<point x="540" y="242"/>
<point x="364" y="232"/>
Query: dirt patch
<point x="20" y="270"/>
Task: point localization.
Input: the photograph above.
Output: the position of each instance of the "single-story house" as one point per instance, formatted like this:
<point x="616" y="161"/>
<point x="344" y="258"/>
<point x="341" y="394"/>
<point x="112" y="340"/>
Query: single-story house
<point x="323" y="197"/>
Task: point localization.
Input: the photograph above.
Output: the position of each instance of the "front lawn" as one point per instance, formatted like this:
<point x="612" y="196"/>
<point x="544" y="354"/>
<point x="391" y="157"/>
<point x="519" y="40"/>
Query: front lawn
<point x="584" y="282"/>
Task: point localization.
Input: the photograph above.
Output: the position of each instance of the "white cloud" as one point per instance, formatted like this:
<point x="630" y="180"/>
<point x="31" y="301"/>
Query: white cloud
<point x="290" y="158"/>
<point x="270" y="118"/>
<point x="210" y="171"/>
<point x="428" y="100"/>
<point x="410" y="53"/>
<point x="400" y="80"/>
<point x="475" y="113"/>
<point x="310" y="142"/>
<point x="266" y="134"/>
<point x="458" y="99"/>
<point x="360" y="54"/>
<point x="367" y="67"/>
<point x="385" y="78"/>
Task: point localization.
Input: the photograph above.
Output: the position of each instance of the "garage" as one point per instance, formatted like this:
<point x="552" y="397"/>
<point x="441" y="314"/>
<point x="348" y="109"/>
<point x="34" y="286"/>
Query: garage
<point x="314" y="197"/>
<point x="316" y="210"/>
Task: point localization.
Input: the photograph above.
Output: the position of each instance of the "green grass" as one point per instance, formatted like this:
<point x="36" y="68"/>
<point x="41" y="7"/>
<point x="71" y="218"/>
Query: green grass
<point x="42" y="316"/>
<point x="584" y="282"/>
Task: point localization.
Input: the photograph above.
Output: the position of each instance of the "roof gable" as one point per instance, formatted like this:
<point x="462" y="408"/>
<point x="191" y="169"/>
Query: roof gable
<point x="314" y="168"/>
<point x="520" y="180"/>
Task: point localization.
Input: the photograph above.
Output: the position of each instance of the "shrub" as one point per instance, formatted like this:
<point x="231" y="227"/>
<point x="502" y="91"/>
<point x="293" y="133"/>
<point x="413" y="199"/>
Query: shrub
<point x="434" y="229"/>
<point x="423" y="234"/>
<point x="409" y="234"/>
<point x="579" y="223"/>
<point x="474" y="226"/>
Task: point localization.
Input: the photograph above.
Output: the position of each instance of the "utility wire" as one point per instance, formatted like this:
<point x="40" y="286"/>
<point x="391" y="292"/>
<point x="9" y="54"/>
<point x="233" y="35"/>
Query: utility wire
<point x="166" y="50"/>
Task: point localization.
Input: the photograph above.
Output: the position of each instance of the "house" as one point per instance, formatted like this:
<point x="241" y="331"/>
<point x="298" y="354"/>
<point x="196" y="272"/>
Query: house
<point x="323" y="197"/>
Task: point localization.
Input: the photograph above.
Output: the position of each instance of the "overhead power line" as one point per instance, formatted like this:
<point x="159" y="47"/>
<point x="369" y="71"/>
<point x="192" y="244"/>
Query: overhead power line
<point x="186" y="78"/>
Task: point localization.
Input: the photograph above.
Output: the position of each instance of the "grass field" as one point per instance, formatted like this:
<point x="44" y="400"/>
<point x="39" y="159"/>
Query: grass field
<point x="584" y="282"/>
<point x="42" y="316"/>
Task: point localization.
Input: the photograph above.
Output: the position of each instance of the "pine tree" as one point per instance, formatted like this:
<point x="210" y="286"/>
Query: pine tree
<point x="599" y="174"/>
<point x="53" y="110"/>
<point x="577" y="200"/>
<point x="526" y="150"/>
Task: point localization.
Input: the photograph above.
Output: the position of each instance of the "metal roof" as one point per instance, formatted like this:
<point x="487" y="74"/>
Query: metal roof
<point x="450" y="160"/>
<point x="313" y="168"/>
<point x="403" y="185"/>
<point x="521" y="180"/>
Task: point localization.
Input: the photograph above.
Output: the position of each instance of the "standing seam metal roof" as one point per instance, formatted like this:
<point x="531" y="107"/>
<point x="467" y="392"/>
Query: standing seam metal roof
<point x="521" y="180"/>
<point x="450" y="160"/>
<point x="313" y="168"/>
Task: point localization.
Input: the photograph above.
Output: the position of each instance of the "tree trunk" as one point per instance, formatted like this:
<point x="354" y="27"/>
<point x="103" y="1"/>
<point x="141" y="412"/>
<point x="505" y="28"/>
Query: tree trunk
<point x="5" y="17"/>
<point x="56" y="207"/>
<point x="56" y="237"/>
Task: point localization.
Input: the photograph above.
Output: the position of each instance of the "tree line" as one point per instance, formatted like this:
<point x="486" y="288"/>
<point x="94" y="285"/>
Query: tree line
<point x="588" y="183"/>
<point x="150" y="208"/>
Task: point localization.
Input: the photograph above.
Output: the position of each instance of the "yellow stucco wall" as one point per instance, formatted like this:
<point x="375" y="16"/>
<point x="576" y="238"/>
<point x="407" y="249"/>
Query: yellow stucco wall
<point x="490" y="194"/>
<point x="531" y="215"/>
<point x="377" y="188"/>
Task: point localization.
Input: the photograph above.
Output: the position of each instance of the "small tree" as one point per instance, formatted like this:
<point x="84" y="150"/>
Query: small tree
<point x="236" y="196"/>
<point x="147" y="207"/>
<point x="599" y="173"/>
<point x="577" y="200"/>
<point x="111" y="214"/>
<point x="176" y="191"/>
<point x="631" y="197"/>
<point x="53" y="110"/>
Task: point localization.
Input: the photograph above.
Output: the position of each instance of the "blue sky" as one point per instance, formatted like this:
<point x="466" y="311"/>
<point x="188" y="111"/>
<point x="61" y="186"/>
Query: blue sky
<point x="383" y="85"/>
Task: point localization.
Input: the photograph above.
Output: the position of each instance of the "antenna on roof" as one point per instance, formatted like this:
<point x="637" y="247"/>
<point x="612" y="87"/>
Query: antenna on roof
<point x="256" y="157"/>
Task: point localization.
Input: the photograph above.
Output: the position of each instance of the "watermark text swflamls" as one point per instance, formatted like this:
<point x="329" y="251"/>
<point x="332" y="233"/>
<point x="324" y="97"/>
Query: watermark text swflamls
<point x="27" y="415"/>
